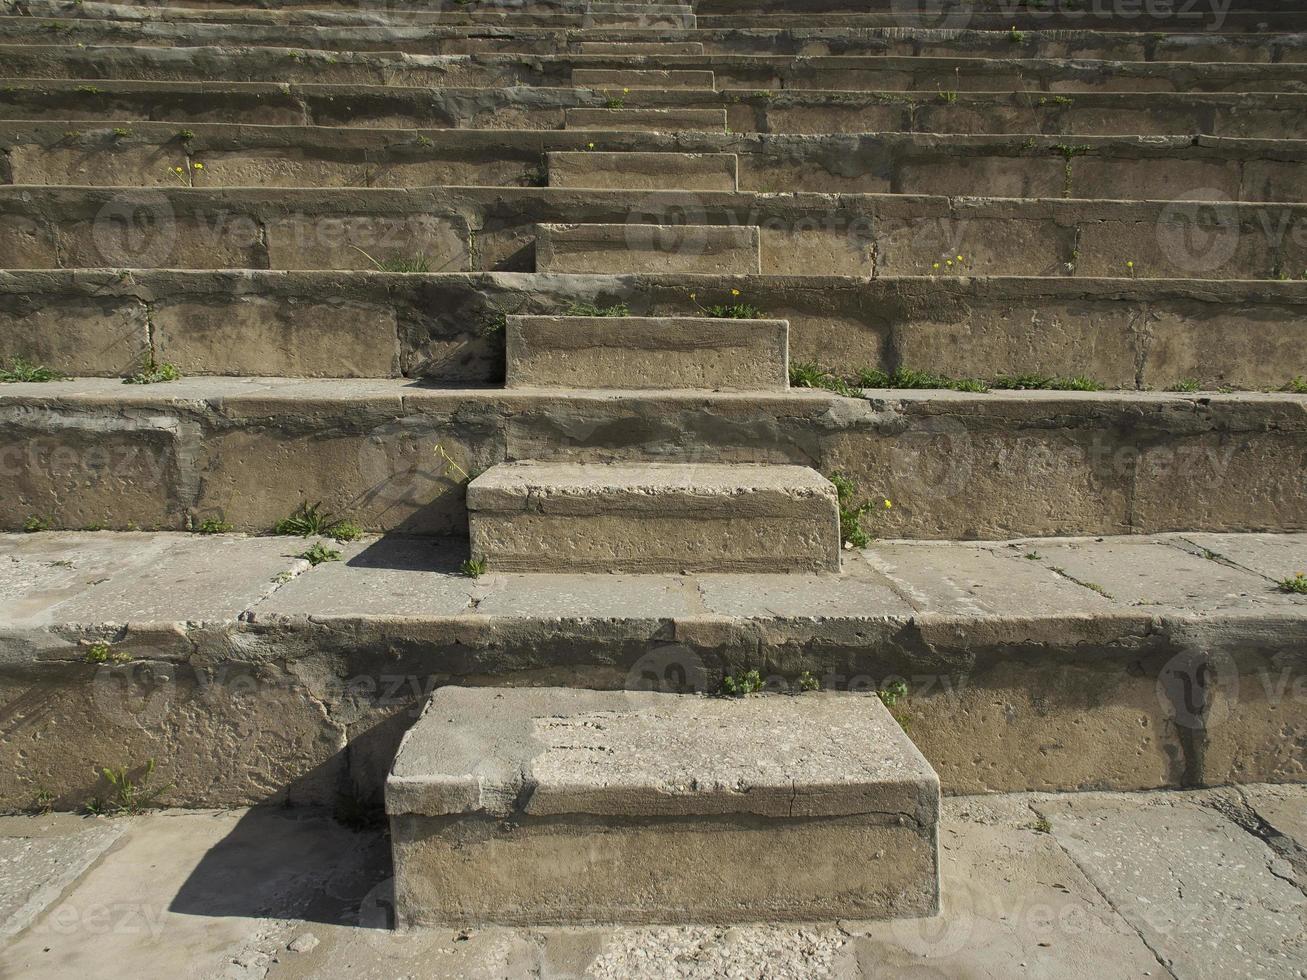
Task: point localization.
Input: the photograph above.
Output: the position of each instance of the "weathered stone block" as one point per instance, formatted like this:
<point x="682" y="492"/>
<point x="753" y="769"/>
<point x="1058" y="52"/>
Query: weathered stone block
<point x="566" y="806"/>
<point x="647" y="352"/>
<point x="644" y="248"/>
<point x="645" y="171"/>
<point x="654" y="517"/>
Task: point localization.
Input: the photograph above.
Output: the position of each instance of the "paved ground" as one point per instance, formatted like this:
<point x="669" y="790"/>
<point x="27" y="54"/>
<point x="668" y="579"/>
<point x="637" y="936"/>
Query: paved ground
<point x="1201" y="884"/>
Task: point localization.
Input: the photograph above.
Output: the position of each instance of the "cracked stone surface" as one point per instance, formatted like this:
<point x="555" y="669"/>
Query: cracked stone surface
<point x="474" y="750"/>
<point x="238" y="894"/>
<point x="1208" y="897"/>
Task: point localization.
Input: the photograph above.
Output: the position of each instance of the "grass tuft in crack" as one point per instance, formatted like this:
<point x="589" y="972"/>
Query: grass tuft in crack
<point x="310" y="519"/>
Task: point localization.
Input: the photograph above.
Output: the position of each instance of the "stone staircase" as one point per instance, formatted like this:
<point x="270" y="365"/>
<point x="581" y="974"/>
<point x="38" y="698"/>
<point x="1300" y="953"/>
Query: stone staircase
<point x="642" y="316"/>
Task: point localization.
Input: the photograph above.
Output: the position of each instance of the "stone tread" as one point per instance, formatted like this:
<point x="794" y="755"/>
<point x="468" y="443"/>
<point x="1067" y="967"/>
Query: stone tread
<point x="542" y="487"/>
<point x="66" y="585"/>
<point x="543" y="752"/>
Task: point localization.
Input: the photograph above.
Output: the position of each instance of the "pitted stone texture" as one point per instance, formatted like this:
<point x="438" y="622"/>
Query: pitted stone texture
<point x="641" y="47"/>
<point x="558" y="805"/>
<point x="40" y="857"/>
<point x="644" y="171"/>
<point x="1210" y="899"/>
<point x="651" y="517"/>
<point x="545" y="752"/>
<point x="1148" y="572"/>
<point x="47" y="579"/>
<point x="670" y="120"/>
<point x="647" y="352"/>
<point x="648" y="249"/>
<point x="616" y="78"/>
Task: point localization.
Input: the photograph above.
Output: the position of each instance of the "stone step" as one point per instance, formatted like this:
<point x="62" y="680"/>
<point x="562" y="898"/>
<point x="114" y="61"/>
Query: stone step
<point x="1161" y="19"/>
<point x="937" y="77"/>
<point x="625" y="80"/>
<point x="649" y="171"/>
<point x="1138" y="168"/>
<point x="442" y="329"/>
<point x="641" y="47"/>
<point x="1107" y="701"/>
<point x="1251" y="114"/>
<point x="1109" y="18"/>
<point x="647" y="352"/>
<point x="1000" y="464"/>
<point x="653" y="517"/>
<point x="644" y="248"/>
<point x="493" y="229"/>
<point x="807" y="41"/>
<point x="646" y="120"/>
<point x="550" y="805"/>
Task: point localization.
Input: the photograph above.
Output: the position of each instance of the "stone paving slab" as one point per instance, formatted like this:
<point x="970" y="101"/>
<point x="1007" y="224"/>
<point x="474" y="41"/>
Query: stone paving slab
<point x="124" y="577"/>
<point x="266" y="893"/>
<point x="62" y="579"/>
<point x="40" y="856"/>
<point x="1211" y="899"/>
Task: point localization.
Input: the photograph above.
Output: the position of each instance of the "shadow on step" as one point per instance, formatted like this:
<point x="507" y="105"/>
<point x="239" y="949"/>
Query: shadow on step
<point x="299" y="864"/>
<point x="405" y="553"/>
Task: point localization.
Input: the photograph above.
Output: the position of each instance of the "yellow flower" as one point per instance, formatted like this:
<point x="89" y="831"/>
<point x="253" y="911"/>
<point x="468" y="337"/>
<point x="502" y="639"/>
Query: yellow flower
<point x="935" y="266"/>
<point x="888" y="503"/>
<point x="1129" y="265"/>
<point x="949" y="263"/>
<point x="591" y="145"/>
<point x="692" y="296"/>
<point x="199" y="166"/>
<point x="735" y="292"/>
<point x="178" y="170"/>
<point x="959" y="258"/>
<point x="625" y="91"/>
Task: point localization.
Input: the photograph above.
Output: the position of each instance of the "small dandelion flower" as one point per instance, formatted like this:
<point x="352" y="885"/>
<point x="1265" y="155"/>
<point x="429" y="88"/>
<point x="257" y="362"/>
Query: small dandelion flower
<point x="199" y="166"/>
<point x="693" y="296"/>
<point x="1129" y="265"/>
<point x="178" y="170"/>
<point x="590" y="145"/>
<point x="735" y="292"/>
<point x="888" y="503"/>
<point x="949" y="263"/>
<point x="959" y="258"/>
<point x="626" y="91"/>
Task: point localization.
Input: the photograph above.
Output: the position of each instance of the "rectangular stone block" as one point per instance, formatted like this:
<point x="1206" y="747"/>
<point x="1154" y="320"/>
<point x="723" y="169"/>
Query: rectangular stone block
<point x="647" y="352"/>
<point x="645" y="171"/>
<point x="653" y="249"/>
<point x="654" y="517"/>
<point x="550" y="805"/>
<point x="642" y="47"/>
<point x="647" y="120"/>
<point x="606" y="78"/>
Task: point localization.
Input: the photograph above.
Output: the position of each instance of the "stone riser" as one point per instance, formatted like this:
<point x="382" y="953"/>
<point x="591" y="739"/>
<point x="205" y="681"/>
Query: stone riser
<point x="646" y="352"/>
<point x="661" y="517"/>
<point x="1265" y="115"/>
<point x="1056" y="695"/>
<point x="532" y="828"/>
<point x="932" y="75"/>
<point x="1101" y="18"/>
<point x="443" y="328"/>
<point x="807" y="41"/>
<point x="862" y="236"/>
<point x="94" y="452"/>
<point x="1095" y="167"/>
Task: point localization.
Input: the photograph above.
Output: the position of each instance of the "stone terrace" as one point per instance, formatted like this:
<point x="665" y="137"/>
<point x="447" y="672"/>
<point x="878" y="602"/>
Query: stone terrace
<point x="541" y="296"/>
